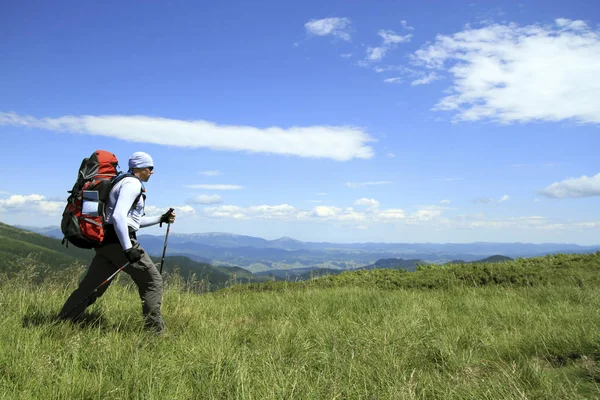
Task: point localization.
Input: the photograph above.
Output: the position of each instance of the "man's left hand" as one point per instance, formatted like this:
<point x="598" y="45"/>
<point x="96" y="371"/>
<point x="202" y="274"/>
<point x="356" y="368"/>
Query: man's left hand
<point x="168" y="217"/>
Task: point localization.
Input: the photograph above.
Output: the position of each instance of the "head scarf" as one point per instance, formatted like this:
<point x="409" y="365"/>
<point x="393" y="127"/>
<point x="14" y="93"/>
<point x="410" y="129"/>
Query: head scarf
<point x="140" y="159"/>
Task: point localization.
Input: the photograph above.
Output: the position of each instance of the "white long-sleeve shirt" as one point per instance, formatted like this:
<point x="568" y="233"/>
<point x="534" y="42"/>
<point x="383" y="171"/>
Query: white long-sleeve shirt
<point x="121" y="214"/>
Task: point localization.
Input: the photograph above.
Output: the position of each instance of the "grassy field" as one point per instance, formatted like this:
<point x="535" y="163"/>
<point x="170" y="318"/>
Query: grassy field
<point x="358" y="336"/>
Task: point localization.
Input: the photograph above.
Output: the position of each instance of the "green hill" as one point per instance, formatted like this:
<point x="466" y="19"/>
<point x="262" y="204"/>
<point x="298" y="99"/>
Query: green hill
<point x="548" y="270"/>
<point x="48" y="254"/>
<point x="491" y="259"/>
<point x="17" y="244"/>
<point x="408" y="265"/>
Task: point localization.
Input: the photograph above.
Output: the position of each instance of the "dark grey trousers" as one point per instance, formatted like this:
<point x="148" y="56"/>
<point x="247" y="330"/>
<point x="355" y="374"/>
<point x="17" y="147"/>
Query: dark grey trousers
<point x="108" y="259"/>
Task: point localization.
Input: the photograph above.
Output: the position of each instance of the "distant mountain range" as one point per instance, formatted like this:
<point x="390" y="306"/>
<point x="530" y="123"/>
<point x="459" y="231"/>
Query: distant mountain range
<point x="257" y="254"/>
<point x="47" y="254"/>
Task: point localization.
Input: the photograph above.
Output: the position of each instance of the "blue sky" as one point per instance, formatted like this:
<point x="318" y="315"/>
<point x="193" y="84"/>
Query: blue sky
<point x="324" y="121"/>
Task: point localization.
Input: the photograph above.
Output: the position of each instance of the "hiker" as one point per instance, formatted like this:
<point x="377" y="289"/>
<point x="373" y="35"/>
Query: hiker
<point x="124" y="215"/>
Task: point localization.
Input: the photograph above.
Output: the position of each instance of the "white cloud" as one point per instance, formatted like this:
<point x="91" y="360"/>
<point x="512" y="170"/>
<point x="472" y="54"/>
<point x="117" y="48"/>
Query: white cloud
<point x="390" y="155"/>
<point x="32" y="204"/>
<point x="338" y="27"/>
<point x="573" y="187"/>
<point x="406" y="26"/>
<point x="338" y="214"/>
<point x="371" y="203"/>
<point x="525" y="222"/>
<point x="511" y="73"/>
<point x="210" y="173"/>
<point x="184" y="210"/>
<point x="445" y="202"/>
<point x="390" y="40"/>
<point x="225" y="212"/>
<point x="214" y="187"/>
<point x="281" y="211"/>
<point x="153" y="211"/>
<point x="206" y="199"/>
<point x="278" y="211"/>
<point x="391" y="214"/>
<point x="180" y="211"/>
<point x="327" y="213"/>
<point x="393" y="80"/>
<point x="390" y="37"/>
<point x="426" y="214"/>
<point x="376" y="53"/>
<point x="355" y="185"/>
<point x="339" y="143"/>
<point x="428" y="78"/>
<point x="346" y="55"/>
<point x="489" y="200"/>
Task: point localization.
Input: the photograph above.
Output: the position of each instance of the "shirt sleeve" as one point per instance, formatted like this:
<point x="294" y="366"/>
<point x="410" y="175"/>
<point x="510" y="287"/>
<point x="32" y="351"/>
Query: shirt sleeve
<point x="149" y="221"/>
<point x="129" y="191"/>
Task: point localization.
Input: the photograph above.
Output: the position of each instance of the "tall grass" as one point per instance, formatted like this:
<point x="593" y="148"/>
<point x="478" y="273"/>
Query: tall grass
<point x="334" y="342"/>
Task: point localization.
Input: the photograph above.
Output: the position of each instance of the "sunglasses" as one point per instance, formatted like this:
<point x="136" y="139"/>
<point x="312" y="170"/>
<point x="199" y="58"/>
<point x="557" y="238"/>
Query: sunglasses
<point x="150" y="168"/>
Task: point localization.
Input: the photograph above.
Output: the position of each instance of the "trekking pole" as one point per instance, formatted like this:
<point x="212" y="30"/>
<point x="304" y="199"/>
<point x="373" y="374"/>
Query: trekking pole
<point x="162" y="261"/>
<point x="64" y="316"/>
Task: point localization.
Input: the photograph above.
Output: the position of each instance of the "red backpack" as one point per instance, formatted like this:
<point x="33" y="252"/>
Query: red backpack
<point x="83" y="218"/>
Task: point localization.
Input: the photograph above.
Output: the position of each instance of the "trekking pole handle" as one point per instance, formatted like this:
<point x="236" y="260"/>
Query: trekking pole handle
<point x="168" y="213"/>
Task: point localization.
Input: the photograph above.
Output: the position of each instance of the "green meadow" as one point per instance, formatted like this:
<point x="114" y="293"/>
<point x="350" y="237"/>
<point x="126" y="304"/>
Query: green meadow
<point x="524" y="329"/>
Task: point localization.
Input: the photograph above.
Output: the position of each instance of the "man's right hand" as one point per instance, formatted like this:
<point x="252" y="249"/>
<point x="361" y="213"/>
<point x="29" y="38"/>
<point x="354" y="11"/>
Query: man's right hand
<point x="134" y="254"/>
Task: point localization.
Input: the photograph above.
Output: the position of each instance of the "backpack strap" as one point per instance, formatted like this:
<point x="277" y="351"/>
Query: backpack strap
<point x="122" y="176"/>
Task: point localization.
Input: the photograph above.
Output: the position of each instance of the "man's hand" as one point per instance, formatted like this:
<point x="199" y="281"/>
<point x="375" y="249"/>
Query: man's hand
<point x="168" y="217"/>
<point x="134" y="254"/>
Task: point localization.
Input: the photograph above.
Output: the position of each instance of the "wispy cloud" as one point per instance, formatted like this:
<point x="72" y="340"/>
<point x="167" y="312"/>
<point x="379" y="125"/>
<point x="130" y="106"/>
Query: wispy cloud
<point x="214" y="187"/>
<point x="445" y="202"/>
<point x="511" y="73"/>
<point x="406" y="26"/>
<point x="339" y="27"/>
<point x="483" y="200"/>
<point x="206" y="199"/>
<point x="355" y="185"/>
<point x="390" y="40"/>
<point x="394" y="80"/>
<point x="428" y="78"/>
<point x="489" y="200"/>
<point x="211" y="173"/>
<point x="335" y="142"/>
<point x="573" y="187"/>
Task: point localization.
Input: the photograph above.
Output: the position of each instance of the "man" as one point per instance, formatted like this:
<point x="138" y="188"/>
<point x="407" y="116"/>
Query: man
<point x="124" y="215"/>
